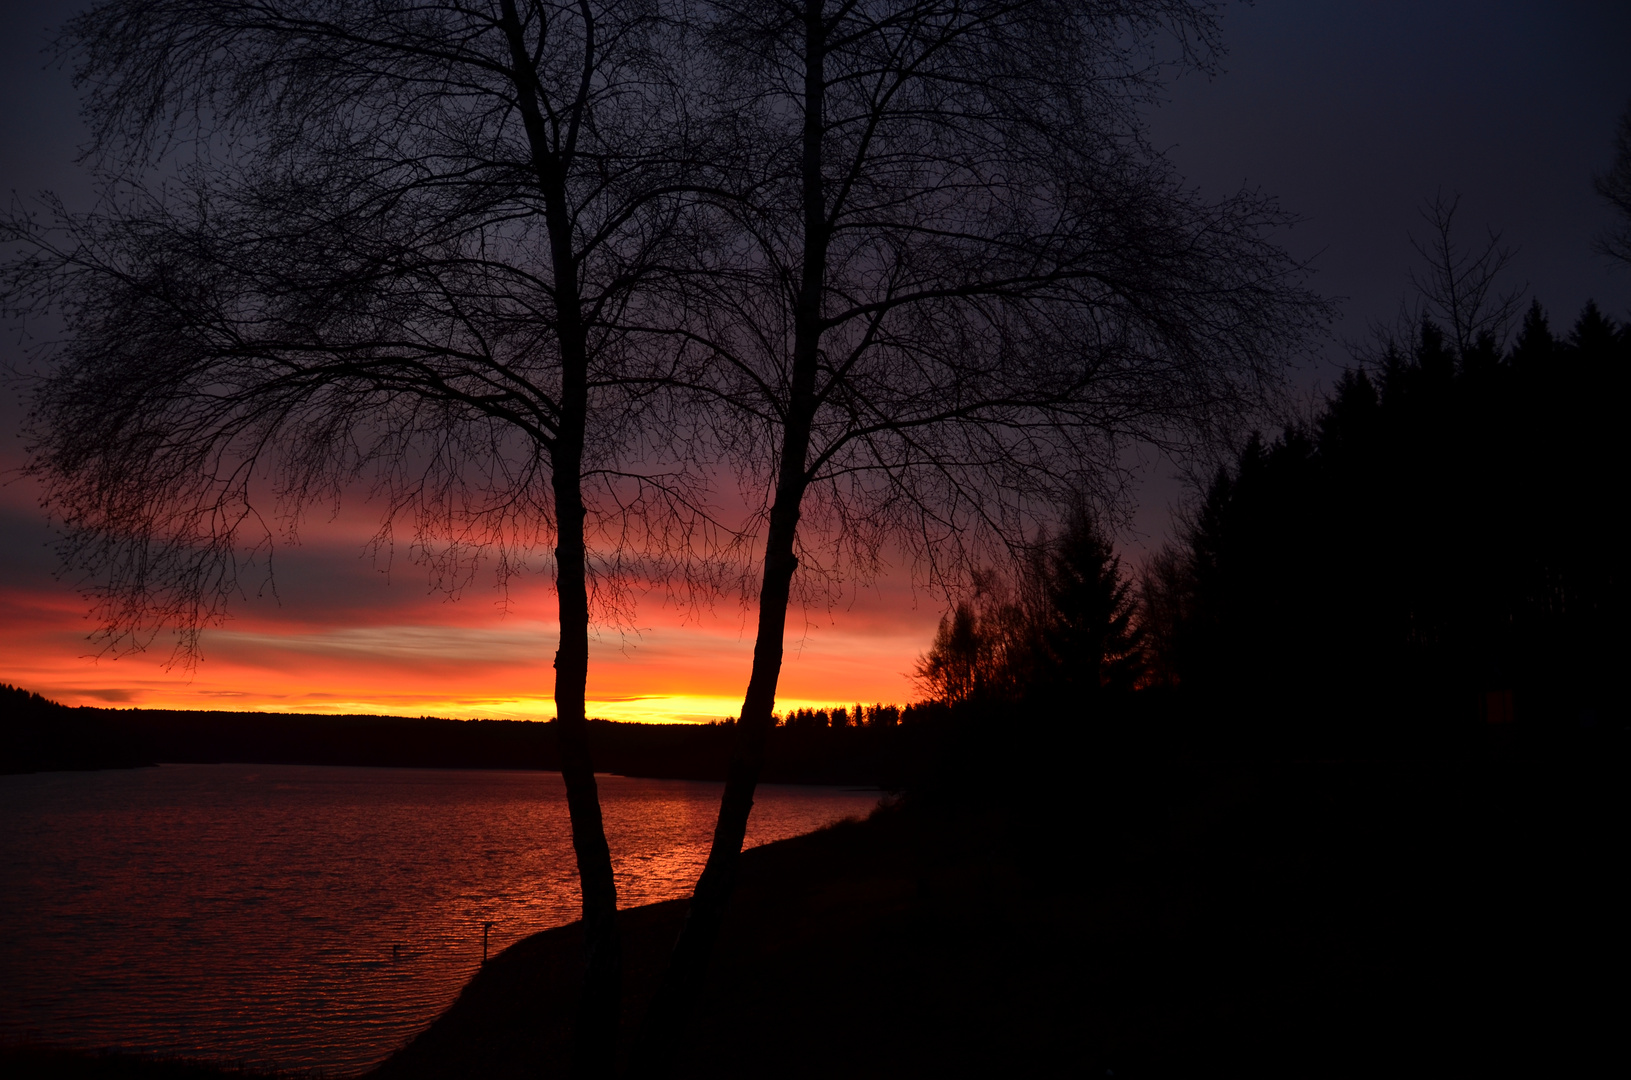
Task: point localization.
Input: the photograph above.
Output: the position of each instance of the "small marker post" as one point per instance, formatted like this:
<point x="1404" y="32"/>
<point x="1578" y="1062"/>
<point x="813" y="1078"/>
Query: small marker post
<point x="485" y="927"/>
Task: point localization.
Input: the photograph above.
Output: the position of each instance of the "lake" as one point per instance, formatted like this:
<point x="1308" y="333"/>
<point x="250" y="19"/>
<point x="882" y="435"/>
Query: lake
<point x="311" y="916"/>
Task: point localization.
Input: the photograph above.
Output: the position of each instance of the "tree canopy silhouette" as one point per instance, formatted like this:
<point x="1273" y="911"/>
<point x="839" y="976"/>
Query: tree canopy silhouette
<point x="407" y="246"/>
<point x="528" y="269"/>
<point x="962" y="281"/>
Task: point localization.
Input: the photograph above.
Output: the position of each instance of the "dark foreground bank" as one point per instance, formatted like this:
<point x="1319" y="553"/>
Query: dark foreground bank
<point x="1300" y="919"/>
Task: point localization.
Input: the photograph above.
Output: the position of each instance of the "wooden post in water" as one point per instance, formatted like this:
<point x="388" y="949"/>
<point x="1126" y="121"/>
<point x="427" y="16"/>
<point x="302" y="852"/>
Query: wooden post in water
<point x="486" y="926"/>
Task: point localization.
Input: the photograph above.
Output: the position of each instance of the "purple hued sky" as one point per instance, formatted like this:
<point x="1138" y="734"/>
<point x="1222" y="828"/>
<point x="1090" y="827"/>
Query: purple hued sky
<point x="1352" y="113"/>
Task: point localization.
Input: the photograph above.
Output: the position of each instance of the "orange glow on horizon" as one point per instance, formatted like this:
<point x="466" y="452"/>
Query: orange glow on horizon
<point x="341" y="637"/>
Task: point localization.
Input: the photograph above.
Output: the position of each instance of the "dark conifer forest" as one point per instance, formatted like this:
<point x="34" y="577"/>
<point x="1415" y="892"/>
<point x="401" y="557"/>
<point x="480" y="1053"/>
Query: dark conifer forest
<point x="1426" y="562"/>
<point x="1431" y="552"/>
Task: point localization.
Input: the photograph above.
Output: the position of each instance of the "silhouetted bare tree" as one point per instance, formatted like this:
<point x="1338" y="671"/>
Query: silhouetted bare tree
<point x="1455" y="288"/>
<point x="1615" y="186"/>
<point x="399" y="244"/>
<point x="964" y="280"/>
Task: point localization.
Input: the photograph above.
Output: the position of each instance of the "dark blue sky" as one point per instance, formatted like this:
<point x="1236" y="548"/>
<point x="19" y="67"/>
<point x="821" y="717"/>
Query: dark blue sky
<point x="1355" y="113"/>
<point x="1352" y="113"/>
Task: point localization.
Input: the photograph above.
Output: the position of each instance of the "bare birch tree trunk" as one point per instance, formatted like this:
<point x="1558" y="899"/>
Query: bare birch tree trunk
<point x="671" y="1006"/>
<point x="595" y="1037"/>
<point x="998" y="281"/>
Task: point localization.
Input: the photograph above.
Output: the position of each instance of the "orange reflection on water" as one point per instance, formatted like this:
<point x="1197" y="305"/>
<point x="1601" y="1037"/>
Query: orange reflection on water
<point x="311" y="917"/>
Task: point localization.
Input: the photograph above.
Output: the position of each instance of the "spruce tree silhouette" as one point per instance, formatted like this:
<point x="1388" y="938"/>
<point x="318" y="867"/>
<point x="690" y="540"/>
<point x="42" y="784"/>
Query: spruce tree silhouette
<point x="1094" y="646"/>
<point x="1055" y="634"/>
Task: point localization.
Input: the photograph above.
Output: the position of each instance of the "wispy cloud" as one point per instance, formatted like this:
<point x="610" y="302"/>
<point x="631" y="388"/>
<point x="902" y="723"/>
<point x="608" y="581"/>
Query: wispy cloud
<point x="339" y="636"/>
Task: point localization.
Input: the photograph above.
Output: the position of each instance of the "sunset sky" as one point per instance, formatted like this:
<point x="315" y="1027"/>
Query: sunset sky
<point x="1352" y="113"/>
<point x="344" y="635"/>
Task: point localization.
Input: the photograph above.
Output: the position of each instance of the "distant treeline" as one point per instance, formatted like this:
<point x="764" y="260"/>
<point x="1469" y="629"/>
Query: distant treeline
<point x="843" y="716"/>
<point x="37" y="734"/>
<point x="1435" y="555"/>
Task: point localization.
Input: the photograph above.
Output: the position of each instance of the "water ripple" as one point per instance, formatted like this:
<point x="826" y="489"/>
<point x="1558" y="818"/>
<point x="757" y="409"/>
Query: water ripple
<point x="308" y="916"/>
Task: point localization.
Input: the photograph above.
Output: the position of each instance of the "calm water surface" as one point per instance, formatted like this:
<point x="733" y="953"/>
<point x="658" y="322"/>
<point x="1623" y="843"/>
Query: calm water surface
<point x="252" y="912"/>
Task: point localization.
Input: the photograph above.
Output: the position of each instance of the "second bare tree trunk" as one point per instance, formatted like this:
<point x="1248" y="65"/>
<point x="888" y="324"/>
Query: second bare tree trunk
<point x="671" y="1005"/>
